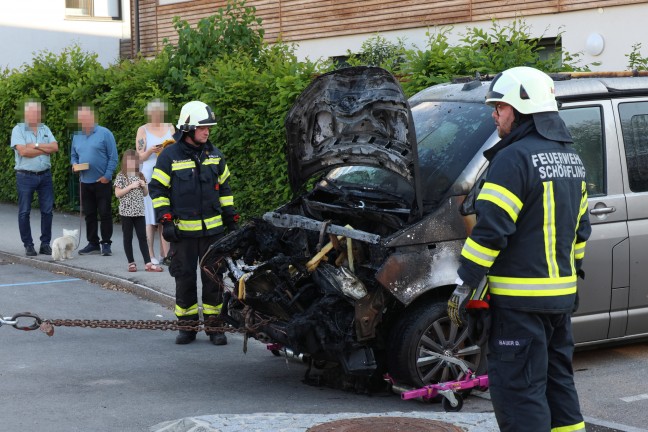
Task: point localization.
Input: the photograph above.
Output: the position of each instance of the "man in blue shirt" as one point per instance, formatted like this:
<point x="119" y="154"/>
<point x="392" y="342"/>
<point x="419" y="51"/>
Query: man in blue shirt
<point x="96" y="146"/>
<point x="33" y="143"/>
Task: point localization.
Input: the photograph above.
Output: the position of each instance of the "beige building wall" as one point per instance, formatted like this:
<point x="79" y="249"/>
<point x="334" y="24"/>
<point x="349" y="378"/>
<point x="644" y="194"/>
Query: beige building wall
<point x="603" y="35"/>
<point x="329" y="28"/>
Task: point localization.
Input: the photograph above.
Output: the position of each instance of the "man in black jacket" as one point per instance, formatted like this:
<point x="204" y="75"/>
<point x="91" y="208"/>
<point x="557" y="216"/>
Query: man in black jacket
<point x="193" y="200"/>
<point x="529" y="240"/>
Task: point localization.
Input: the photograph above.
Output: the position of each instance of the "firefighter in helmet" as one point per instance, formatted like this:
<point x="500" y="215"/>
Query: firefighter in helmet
<point x="529" y="242"/>
<point x="193" y="200"/>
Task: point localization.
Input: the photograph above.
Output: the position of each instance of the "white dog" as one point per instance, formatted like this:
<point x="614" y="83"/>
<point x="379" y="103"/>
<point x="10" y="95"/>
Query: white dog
<point x="62" y="247"/>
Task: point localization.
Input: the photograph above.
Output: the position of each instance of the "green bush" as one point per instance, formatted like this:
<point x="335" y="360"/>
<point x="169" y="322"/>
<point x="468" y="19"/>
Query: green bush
<point x="233" y="29"/>
<point x="378" y="51"/>
<point x="433" y="65"/>
<point x="251" y="97"/>
<point x="59" y="81"/>
<point x="480" y="51"/>
<point x="121" y="99"/>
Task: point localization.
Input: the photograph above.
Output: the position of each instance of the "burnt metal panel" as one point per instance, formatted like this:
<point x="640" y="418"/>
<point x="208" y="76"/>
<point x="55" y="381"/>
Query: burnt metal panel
<point x="352" y="116"/>
<point x="368" y="314"/>
<point x="445" y="224"/>
<point x="410" y="272"/>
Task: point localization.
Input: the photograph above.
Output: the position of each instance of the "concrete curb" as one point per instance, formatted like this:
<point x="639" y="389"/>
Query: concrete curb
<point x="110" y="282"/>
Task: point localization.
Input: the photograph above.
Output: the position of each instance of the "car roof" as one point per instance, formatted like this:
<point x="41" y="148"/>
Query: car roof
<point x="568" y="87"/>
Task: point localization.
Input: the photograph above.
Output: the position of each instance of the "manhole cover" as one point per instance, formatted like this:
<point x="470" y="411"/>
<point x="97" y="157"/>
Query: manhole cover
<point x="385" y="424"/>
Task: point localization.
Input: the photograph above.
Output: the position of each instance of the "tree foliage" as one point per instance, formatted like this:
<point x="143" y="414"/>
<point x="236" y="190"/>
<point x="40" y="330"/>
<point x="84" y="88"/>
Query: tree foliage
<point x="233" y="29"/>
<point x="251" y="96"/>
<point x="378" y="51"/>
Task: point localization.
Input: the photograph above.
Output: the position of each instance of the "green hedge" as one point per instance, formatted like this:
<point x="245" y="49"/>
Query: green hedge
<point x="60" y="81"/>
<point x="251" y="85"/>
<point x="251" y="98"/>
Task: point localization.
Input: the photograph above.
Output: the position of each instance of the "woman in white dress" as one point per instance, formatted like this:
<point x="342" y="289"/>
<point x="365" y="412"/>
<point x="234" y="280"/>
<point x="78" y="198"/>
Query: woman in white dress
<point x="148" y="144"/>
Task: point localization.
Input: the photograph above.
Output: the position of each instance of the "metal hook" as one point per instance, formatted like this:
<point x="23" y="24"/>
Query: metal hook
<point x="37" y="321"/>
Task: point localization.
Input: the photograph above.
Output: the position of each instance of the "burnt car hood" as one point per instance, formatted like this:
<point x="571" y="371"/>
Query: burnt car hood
<point x="352" y="116"/>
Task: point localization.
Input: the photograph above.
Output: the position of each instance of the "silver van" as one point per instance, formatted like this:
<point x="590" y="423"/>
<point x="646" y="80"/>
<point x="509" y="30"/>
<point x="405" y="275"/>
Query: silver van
<point x="356" y="270"/>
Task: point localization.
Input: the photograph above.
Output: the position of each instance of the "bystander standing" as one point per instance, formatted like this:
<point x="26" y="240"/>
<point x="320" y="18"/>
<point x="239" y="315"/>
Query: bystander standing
<point x="130" y="189"/>
<point x="33" y="143"/>
<point x="96" y="146"/>
<point x="149" y="143"/>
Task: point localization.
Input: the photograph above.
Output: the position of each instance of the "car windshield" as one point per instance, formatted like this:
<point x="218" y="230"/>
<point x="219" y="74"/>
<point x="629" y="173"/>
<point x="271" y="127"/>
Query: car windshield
<point x="448" y="135"/>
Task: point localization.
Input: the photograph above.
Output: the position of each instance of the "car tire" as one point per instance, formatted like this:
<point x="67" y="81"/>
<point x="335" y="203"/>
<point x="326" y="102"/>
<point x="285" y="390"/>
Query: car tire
<point x="422" y="331"/>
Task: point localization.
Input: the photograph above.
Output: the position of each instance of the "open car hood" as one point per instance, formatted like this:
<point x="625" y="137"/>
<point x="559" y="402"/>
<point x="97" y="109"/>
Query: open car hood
<point x="352" y="116"/>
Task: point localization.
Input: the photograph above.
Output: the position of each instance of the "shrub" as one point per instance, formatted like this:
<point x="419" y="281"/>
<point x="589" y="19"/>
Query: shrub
<point x="434" y="64"/>
<point x="251" y="97"/>
<point x="233" y="29"/>
<point x="378" y="51"/>
<point x="60" y="82"/>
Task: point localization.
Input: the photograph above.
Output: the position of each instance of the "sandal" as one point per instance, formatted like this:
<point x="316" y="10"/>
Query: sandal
<point x="132" y="267"/>
<point x="150" y="267"/>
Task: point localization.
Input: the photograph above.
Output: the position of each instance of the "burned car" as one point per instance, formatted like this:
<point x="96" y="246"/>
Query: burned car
<point x="356" y="270"/>
<point x="351" y="271"/>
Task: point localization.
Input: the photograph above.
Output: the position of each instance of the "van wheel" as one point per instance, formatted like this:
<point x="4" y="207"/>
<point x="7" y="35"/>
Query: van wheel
<point x="419" y="336"/>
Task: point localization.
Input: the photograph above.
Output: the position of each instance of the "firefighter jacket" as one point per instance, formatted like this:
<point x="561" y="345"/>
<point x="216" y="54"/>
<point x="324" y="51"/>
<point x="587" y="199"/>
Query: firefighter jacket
<point x="191" y="183"/>
<point x="532" y="224"/>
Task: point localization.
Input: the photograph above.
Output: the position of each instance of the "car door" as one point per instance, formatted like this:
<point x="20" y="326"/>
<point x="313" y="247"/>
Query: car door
<point x="603" y="293"/>
<point x="633" y="123"/>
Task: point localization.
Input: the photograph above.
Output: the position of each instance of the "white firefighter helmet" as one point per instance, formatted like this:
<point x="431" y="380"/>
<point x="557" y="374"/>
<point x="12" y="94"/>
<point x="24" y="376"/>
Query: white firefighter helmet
<point x="194" y="114"/>
<point x="526" y="89"/>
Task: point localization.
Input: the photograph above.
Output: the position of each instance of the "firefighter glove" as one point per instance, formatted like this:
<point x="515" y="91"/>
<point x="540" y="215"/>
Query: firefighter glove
<point x="170" y="232"/>
<point x="232" y="225"/>
<point x="457" y="304"/>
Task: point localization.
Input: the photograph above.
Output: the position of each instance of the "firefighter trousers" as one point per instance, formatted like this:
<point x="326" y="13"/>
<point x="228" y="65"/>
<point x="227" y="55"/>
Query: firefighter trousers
<point x="185" y="256"/>
<point x="530" y="373"/>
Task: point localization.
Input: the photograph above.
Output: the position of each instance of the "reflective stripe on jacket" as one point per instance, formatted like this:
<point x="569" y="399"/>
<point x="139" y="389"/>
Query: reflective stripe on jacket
<point x="193" y="187"/>
<point x="532" y="225"/>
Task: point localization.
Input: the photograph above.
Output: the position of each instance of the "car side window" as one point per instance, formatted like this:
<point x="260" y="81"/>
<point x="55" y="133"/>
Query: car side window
<point x="586" y="127"/>
<point x="634" y="126"/>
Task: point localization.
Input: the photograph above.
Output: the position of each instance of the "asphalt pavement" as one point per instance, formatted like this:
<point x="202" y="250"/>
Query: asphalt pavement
<point x="112" y="272"/>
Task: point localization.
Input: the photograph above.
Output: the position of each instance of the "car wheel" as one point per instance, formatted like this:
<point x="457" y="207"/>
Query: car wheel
<point x="421" y="337"/>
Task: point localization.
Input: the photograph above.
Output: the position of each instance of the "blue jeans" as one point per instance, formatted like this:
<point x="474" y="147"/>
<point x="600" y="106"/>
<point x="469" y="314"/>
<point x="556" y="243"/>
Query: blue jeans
<point x="26" y="185"/>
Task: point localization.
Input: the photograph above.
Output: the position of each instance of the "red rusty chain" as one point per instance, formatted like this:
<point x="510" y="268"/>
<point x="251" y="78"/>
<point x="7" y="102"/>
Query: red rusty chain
<point x="211" y="325"/>
<point x="207" y="326"/>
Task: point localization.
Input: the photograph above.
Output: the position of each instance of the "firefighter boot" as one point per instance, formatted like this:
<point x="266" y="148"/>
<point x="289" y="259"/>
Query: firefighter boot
<point x="185" y="337"/>
<point x="218" y="338"/>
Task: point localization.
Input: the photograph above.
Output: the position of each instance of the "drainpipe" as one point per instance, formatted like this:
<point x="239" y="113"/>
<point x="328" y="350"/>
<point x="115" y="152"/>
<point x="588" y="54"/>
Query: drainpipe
<point x="137" y="28"/>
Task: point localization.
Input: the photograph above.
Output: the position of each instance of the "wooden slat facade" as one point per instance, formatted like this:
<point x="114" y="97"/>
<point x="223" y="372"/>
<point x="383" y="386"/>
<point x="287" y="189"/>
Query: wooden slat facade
<point x="125" y="48"/>
<point x="295" y="20"/>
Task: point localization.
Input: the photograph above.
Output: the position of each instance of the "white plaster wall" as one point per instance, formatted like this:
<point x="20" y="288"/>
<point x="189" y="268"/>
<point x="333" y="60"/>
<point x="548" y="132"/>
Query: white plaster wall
<point x="620" y="27"/>
<point x="30" y="26"/>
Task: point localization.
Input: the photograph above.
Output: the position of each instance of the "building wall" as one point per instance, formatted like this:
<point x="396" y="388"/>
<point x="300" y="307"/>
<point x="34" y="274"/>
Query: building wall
<point x="30" y="26"/>
<point x="325" y="28"/>
<point x="576" y="26"/>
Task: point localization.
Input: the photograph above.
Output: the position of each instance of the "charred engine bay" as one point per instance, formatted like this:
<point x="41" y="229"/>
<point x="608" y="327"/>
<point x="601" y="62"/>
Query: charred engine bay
<point x="319" y="288"/>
